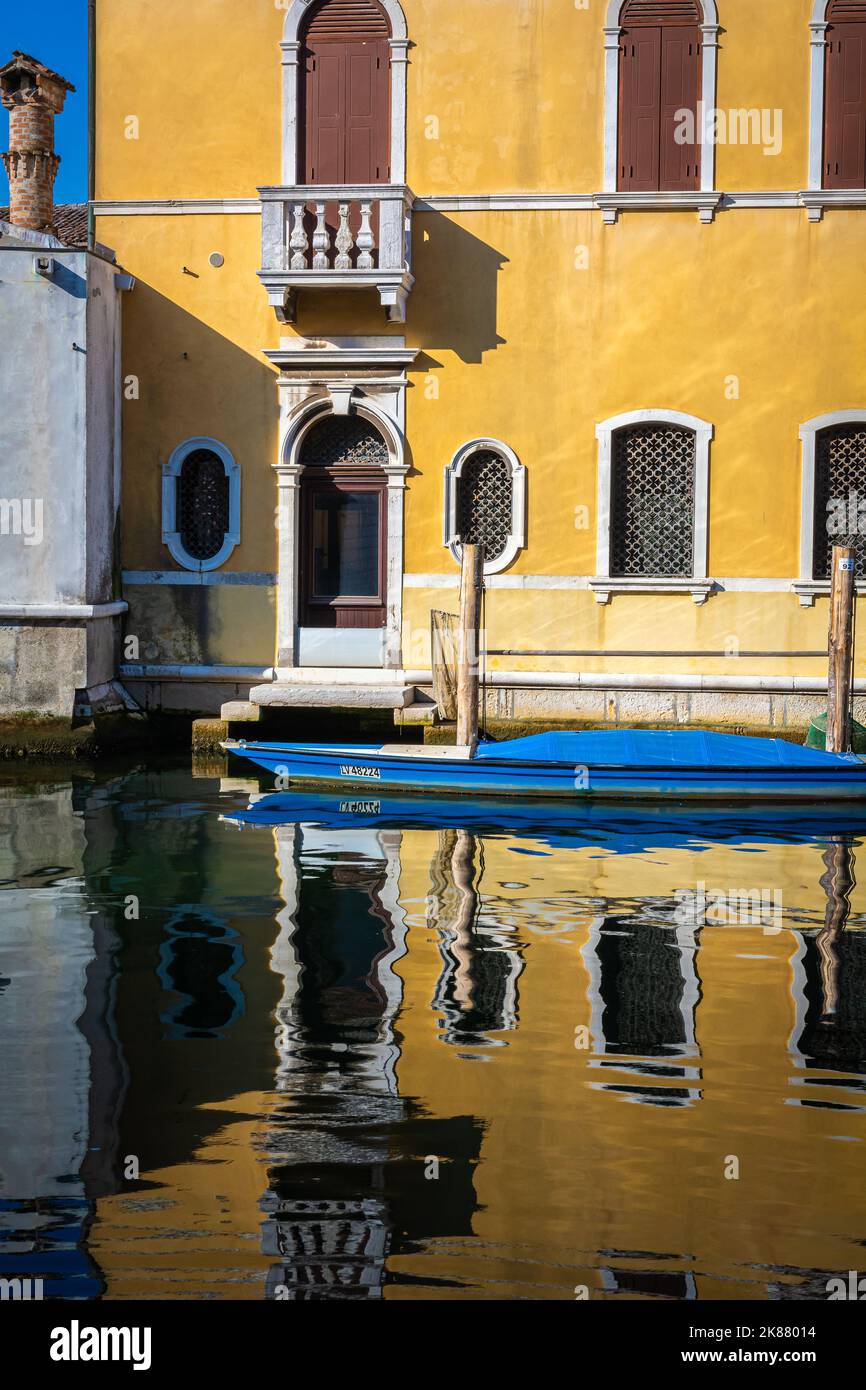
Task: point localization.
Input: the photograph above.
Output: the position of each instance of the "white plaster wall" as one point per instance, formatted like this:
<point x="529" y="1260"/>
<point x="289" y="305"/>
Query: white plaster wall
<point x="57" y="424"/>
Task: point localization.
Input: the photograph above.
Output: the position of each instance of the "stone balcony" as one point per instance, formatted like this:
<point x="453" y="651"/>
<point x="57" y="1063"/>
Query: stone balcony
<point x="345" y="237"/>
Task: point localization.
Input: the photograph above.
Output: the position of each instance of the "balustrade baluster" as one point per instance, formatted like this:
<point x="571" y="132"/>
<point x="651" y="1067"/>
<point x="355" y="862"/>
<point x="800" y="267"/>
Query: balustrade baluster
<point x="343" y="241"/>
<point x="365" y="241"/>
<point x="299" y="241"/>
<point x="321" y="240"/>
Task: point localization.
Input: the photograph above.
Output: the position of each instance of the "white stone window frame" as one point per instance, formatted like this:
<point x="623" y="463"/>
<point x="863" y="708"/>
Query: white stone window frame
<point x="170" y="478"/>
<point x="603" y="584"/>
<point x="807" y="588"/>
<point x="517" y="532"/>
<point x="704" y="200"/>
<point x="290" y="48"/>
<point x="341" y="399"/>
<point x="816" y="198"/>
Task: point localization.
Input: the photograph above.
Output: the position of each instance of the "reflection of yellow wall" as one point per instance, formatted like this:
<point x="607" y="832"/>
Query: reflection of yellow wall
<point x="521" y="345"/>
<point x="210" y="1207"/>
<point x="570" y="1169"/>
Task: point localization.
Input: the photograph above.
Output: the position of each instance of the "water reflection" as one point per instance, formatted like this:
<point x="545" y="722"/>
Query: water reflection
<point x="277" y="1006"/>
<point x="644" y="992"/>
<point x="476" y="993"/>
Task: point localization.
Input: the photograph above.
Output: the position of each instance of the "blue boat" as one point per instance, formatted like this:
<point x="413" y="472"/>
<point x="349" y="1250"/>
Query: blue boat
<point x="646" y="765"/>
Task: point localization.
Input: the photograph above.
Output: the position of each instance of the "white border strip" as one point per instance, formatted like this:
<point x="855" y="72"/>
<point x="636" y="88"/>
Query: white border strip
<point x="452" y="202"/>
<point x="65" y="612"/>
<point x="581" y="581"/>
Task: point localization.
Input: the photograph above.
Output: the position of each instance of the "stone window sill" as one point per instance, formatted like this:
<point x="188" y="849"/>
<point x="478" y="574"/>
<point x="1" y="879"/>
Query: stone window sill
<point x="605" y="586"/>
<point x="612" y="204"/>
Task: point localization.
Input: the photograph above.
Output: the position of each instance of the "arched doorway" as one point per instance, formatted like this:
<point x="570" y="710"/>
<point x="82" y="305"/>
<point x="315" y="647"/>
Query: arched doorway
<point x="343" y="530"/>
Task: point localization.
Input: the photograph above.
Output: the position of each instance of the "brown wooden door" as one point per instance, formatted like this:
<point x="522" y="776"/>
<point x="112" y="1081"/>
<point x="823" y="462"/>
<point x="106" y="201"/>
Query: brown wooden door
<point x="659" y="77"/>
<point x="347" y="128"/>
<point x="343" y="546"/>
<point x="845" y="107"/>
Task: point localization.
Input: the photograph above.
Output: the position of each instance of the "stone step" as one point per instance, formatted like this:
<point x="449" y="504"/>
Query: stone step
<point x="340" y="695"/>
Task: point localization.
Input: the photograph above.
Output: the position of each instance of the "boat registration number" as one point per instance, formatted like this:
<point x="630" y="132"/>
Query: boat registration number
<point x="347" y="770"/>
<point x="360" y="808"/>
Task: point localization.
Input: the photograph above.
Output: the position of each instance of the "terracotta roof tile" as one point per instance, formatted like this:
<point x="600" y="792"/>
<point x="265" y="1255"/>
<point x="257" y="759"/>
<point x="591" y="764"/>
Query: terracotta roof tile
<point x="70" y="223"/>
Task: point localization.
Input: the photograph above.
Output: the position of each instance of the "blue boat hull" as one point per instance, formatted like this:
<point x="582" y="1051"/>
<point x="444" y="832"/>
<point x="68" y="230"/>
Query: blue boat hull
<point x="602" y="765"/>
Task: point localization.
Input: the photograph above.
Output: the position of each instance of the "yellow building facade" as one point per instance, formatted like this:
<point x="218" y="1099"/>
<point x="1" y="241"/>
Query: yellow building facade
<point x="413" y="274"/>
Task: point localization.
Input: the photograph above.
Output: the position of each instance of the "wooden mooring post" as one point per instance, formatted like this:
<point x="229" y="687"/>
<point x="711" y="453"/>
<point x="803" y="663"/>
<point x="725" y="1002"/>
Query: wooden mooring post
<point x="468" y="645"/>
<point x="841" y="650"/>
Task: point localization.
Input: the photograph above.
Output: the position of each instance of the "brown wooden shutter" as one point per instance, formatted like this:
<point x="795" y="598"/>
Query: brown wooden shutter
<point x="679" y="165"/>
<point x="367" y="114"/>
<point x="347" y="19"/>
<point x="639" y="114"/>
<point x="845" y="98"/>
<point x="660" y="75"/>
<point x="326" y="114"/>
<point x="853" y="10"/>
<point x="661" y="12"/>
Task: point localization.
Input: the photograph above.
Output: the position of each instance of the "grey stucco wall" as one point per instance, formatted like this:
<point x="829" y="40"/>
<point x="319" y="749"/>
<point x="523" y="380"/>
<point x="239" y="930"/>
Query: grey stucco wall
<point x="58" y="386"/>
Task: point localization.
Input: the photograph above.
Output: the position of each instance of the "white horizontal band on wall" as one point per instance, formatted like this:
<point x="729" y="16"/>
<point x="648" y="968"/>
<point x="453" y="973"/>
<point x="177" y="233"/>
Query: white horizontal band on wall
<point x="565" y="680"/>
<point x="64" y="612"/>
<point x="135" y="671"/>
<point x="582" y="581"/>
<point x="447" y="202"/>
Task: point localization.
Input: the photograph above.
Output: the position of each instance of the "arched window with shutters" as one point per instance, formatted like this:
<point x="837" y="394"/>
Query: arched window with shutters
<point x="485" y="502"/>
<point x="843" y="133"/>
<point x="661" y="62"/>
<point x="653" y="504"/>
<point x="344" y="92"/>
<point x="834" y="496"/>
<point x="201" y="504"/>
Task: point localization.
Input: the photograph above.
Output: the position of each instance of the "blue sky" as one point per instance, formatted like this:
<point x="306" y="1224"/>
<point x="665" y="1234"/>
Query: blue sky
<point x="55" y="32"/>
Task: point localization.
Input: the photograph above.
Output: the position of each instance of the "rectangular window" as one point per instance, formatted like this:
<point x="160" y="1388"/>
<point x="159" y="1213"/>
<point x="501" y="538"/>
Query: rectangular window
<point x="659" y="83"/>
<point x="653" y="502"/>
<point x="840" y="495"/>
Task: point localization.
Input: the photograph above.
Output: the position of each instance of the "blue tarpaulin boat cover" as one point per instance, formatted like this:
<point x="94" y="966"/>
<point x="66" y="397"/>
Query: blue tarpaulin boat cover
<point x="659" y="748"/>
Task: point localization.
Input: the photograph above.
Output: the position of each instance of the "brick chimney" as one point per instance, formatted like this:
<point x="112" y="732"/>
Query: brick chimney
<point x="33" y="95"/>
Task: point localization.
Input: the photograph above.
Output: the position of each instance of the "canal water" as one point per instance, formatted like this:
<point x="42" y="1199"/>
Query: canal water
<point x="260" y="1046"/>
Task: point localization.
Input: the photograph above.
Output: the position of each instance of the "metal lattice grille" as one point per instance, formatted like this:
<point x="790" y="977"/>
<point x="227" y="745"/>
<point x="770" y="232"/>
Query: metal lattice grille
<point x="343" y="439"/>
<point x="484" y="502"/>
<point x="653" y="502"/>
<point x="202" y="504"/>
<point x="840" y="495"/>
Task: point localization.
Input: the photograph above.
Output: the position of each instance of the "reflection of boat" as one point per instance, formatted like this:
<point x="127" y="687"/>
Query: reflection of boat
<point x="639" y="764"/>
<point x="620" y="828"/>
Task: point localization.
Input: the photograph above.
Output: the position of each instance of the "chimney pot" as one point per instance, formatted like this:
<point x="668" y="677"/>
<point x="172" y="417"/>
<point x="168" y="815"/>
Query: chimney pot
<point x="33" y="95"/>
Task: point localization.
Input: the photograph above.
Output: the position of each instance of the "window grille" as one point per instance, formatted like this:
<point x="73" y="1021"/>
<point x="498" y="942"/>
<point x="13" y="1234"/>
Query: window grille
<point x="485" y="496"/>
<point x="840" y="495"/>
<point x="202" y="504"/>
<point x="653" y="502"/>
<point x="343" y="440"/>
